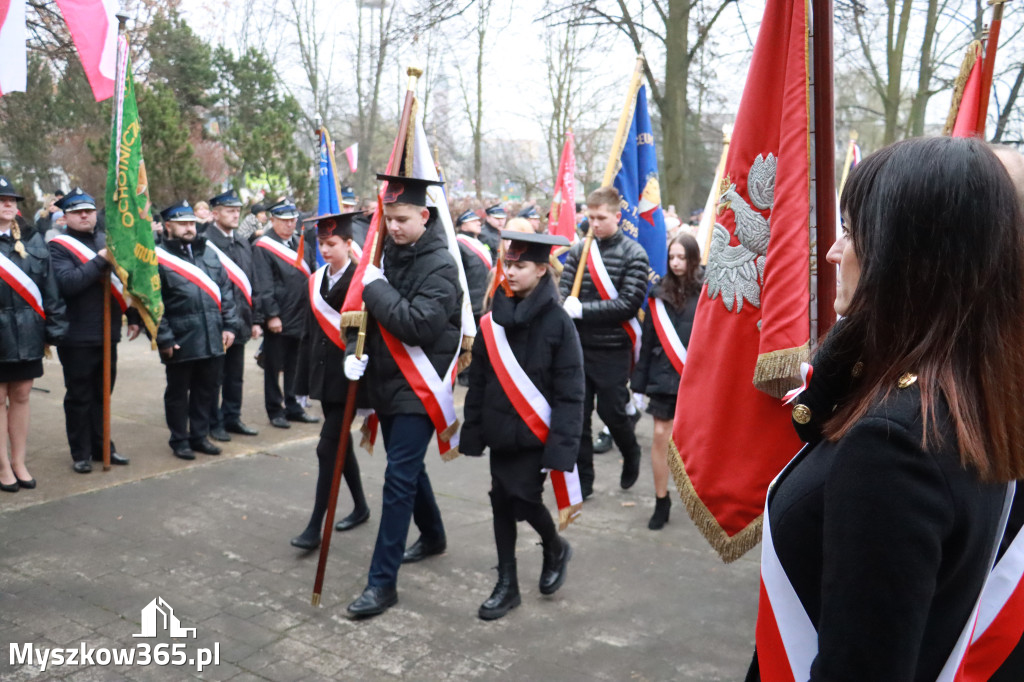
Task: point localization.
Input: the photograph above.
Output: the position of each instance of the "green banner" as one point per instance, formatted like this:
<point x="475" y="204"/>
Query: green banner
<point x="129" y="223"/>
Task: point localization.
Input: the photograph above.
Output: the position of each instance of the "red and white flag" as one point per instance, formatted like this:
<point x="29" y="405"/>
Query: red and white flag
<point x="751" y="331"/>
<point x="13" y="53"/>
<point x="352" y="156"/>
<point x="966" y="124"/>
<point x="93" y="28"/>
<point x="562" y="221"/>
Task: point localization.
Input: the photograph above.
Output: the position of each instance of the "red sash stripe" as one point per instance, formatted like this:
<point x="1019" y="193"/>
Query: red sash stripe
<point x="85" y="254"/>
<point x="189" y="272"/>
<point x="477" y="248"/>
<point x="22" y="284"/>
<point x="606" y="289"/>
<point x="288" y="255"/>
<point x="235" y="273"/>
<point x="327" y="317"/>
<point x="667" y="335"/>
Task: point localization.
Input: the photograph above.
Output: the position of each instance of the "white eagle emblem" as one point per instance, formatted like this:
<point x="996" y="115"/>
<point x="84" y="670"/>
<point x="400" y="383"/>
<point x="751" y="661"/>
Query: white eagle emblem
<point x="737" y="272"/>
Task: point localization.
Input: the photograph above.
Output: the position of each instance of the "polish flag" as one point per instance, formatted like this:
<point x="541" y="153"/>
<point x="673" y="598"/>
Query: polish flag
<point x="93" y="27"/>
<point x="352" y="155"/>
<point x="13" y="55"/>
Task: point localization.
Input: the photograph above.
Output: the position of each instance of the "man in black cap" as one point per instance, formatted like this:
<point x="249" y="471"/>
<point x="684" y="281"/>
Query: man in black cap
<point x="282" y="296"/>
<point x="477" y="261"/>
<point x="490" y="234"/>
<point x="532" y="215"/>
<point x="79" y="259"/>
<point x="198" y="325"/>
<point x="235" y="256"/>
<point x="415" y="305"/>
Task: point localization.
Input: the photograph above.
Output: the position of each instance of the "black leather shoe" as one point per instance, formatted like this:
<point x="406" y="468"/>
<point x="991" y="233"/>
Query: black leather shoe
<point x="505" y="596"/>
<point x="373" y="602"/>
<point x="241" y="429"/>
<point x="28" y="485"/>
<point x="280" y="422"/>
<point x="303" y="418"/>
<point x="83" y="467"/>
<point x="12" y="488"/>
<point x="356" y="518"/>
<point x="206" y="447"/>
<point x="220" y="434"/>
<point x="552" y="573"/>
<point x="421" y="549"/>
<point x="603" y="443"/>
<point x="184" y="452"/>
<point x="309" y="540"/>
<point x="630" y="470"/>
<point x="115" y="458"/>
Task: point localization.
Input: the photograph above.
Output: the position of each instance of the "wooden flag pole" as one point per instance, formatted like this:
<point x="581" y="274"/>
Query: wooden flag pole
<point x="824" y="161"/>
<point x="613" y="163"/>
<point x="707" y="219"/>
<point x="353" y="386"/>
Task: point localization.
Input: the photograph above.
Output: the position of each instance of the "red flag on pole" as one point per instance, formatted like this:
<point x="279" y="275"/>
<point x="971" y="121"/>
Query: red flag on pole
<point x="562" y="221"/>
<point x="966" y="124"/>
<point x="93" y="28"/>
<point x="732" y="433"/>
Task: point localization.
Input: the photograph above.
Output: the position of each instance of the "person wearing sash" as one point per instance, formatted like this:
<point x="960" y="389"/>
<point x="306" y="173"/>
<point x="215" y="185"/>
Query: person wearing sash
<point x="84" y="278"/>
<point x="414" y="301"/>
<point x="477" y="262"/>
<point x="494" y="222"/>
<point x="321" y="373"/>
<point x="235" y="255"/>
<point x="198" y="325"/>
<point x="282" y="286"/>
<point x="32" y="316"/>
<point x="604" y="323"/>
<point x="880" y="535"/>
<point x="670" y="311"/>
<point x="527" y="352"/>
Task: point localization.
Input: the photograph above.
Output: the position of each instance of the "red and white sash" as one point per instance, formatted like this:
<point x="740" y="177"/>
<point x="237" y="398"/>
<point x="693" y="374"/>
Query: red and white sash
<point x="85" y="254"/>
<point x="189" y="272"/>
<point x="477" y="247"/>
<point x="606" y="288"/>
<point x="436" y="393"/>
<point x="667" y="334"/>
<point x="235" y="273"/>
<point x="787" y="642"/>
<point x="285" y="253"/>
<point x="22" y="284"/>
<point x="327" y="317"/>
<point x="534" y="409"/>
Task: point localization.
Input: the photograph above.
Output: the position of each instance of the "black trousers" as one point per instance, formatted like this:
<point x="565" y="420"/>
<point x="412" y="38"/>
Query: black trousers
<point x="189" y="399"/>
<point x="280" y="355"/>
<point x="83" y="398"/>
<point x="517" y="488"/>
<point x="607" y="372"/>
<point x="327" y="454"/>
<point x="232" y="369"/>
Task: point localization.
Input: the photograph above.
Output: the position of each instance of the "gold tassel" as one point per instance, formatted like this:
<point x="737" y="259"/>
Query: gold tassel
<point x="464" y="361"/>
<point x="778" y="372"/>
<point x="353" y="318"/>
<point x="467" y="342"/>
<point x="449" y="432"/>
<point x="568" y="515"/>
<point x="450" y="455"/>
<point x="365" y="442"/>
<point x="729" y="548"/>
<point x="973" y="51"/>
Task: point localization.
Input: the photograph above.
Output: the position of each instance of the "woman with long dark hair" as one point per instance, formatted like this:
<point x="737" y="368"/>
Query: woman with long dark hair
<point x="880" y="535"/>
<point x="666" y="334"/>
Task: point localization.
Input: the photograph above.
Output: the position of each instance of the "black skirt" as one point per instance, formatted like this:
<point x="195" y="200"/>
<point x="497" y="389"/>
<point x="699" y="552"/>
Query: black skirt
<point x="20" y="371"/>
<point x="662" y="406"/>
<point x="517" y="474"/>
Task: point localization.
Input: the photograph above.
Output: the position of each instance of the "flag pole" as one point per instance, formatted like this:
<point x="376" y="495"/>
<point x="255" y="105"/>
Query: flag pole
<point x="122" y="20"/>
<point x="350" y="402"/>
<point x="613" y="163"/>
<point x="707" y="219"/>
<point x="824" y="161"/>
<point x="849" y="160"/>
<point x="988" y="65"/>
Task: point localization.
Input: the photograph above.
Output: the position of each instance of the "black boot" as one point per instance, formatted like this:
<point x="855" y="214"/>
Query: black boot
<point x="309" y="539"/>
<point x="552" y="573"/>
<point x="630" y="468"/>
<point x="660" y="516"/>
<point x="505" y="596"/>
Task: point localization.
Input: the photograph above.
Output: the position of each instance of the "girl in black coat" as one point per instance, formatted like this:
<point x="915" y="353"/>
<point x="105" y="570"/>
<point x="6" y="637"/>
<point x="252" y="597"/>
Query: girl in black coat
<point x="655" y="374"/>
<point x="320" y="375"/>
<point x="546" y="346"/>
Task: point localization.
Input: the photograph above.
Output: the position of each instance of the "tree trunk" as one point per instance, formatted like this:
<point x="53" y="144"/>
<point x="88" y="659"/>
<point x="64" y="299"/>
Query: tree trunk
<point x="676" y="183"/>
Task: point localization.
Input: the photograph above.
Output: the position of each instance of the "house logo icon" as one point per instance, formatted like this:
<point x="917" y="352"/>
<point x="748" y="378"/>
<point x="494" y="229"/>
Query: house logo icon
<point x="158" y="616"/>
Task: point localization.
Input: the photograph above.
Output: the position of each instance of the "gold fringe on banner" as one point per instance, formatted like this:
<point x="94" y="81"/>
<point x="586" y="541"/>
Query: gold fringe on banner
<point x="365" y="443"/>
<point x="568" y="515"/>
<point x="352" y="318"/>
<point x="467" y="342"/>
<point x="778" y="372"/>
<point x="451" y="454"/>
<point x="464" y="361"/>
<point x="973" y="52"/>
<point x="729" y="548"/>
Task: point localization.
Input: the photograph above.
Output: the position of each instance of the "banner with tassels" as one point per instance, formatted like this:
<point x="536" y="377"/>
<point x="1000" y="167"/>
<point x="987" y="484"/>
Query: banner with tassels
<point x="751" y="331"/>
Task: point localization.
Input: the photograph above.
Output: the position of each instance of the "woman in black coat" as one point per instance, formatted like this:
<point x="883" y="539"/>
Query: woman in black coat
<point x="545" y="345"/>
<point x="671" y="307"/>
<point x="884" y="529"/>
<point x="321" y="374"/>
<point x="31" y="317"/>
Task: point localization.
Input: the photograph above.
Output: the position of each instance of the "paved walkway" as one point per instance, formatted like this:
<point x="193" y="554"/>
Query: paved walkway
<point x="82" y="556"/>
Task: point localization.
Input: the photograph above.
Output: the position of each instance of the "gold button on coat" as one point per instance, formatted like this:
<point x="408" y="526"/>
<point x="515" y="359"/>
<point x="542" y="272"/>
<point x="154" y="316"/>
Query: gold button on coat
<point x="801" y="414"/>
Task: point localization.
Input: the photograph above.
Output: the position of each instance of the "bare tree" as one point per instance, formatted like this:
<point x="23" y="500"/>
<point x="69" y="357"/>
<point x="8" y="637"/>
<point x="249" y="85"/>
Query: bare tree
<point x="316" y="54"/>
<point x="374" y="38"/>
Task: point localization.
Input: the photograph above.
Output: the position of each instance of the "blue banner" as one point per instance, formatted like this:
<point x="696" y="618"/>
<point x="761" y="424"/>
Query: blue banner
<point x="328" y="198"/>
<point x="637" y="182"/>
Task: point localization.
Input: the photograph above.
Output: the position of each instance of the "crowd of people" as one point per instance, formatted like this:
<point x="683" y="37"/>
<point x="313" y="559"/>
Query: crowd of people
<point x="887" y="524"/>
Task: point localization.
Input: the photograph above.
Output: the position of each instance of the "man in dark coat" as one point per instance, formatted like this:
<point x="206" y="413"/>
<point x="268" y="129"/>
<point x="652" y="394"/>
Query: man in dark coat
<point x="417" y="300"/>
<point x="198" y="325"/>
<point x="607" y="347"/>
<point x="282" y="286"/>
<point x="235" y="255"/>
<point x="490" y="232"/>
<point x="79" y="261"/>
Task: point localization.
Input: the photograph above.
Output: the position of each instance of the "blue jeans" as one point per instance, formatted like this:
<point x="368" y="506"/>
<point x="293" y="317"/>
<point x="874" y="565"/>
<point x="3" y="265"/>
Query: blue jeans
<point x="407" y="494"/>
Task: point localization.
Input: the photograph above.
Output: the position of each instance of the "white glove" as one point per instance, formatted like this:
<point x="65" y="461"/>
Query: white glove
<point x="372" y="273"/>
<point x="573" y="307"/>
<point x="364" y="412"/>
<point x="638" y="401"/>
<point x="355" y="367"/>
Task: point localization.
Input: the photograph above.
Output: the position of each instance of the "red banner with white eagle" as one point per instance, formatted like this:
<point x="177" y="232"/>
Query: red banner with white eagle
<point x="732" y="434"/>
